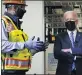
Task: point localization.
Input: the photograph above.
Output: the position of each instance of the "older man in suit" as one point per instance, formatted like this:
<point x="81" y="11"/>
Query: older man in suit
<point x="68" y="47"/>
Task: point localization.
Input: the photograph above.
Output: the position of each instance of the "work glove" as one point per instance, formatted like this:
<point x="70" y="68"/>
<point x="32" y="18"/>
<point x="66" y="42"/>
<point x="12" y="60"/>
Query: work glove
<point x="45" y="45"/>
<point x="43" y="48"/>
<point x="35" y="45"/>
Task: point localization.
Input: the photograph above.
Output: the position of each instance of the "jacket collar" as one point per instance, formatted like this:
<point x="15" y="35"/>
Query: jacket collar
<point x="15" y="19"/>
<point x="68" y="39"/>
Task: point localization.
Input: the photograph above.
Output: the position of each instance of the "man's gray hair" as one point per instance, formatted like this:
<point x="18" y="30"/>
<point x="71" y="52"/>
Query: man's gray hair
<point x="75" y="14"/>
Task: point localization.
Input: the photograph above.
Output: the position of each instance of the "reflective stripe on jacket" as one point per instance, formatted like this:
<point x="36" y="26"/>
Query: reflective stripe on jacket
<point x="16" y="59"/>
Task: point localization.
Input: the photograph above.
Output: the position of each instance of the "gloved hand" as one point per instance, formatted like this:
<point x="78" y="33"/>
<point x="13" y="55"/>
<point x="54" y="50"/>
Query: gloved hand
<point x="32" y="44"/>
<point x="44" y="47"/>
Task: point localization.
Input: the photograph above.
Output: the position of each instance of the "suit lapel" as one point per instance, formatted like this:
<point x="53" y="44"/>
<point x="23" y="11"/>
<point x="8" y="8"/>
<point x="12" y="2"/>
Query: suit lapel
<point x="77" y="39"/>
<point x="67" y="39"/>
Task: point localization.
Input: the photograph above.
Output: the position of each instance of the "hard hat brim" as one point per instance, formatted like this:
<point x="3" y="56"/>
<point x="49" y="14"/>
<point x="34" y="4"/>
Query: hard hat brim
<point x="15" y="3"/>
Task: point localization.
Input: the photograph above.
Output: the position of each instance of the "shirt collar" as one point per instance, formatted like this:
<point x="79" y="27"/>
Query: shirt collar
<point x="74" y="32"/>
<point x="15" y="18"/>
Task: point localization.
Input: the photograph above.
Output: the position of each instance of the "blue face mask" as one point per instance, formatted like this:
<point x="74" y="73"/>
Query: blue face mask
<point x="70" y="25"/>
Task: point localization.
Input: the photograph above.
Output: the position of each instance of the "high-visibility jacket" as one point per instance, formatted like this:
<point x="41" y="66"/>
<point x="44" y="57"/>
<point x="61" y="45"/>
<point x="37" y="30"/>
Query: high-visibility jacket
<point x="16" y="59"/>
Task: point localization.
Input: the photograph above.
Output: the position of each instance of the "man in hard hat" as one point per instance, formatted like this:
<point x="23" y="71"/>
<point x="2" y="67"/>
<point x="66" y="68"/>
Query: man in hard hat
<point x="17" y="49"/>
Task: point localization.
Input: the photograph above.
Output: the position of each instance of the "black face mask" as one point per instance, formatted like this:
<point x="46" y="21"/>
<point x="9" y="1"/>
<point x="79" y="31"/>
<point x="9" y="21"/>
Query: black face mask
<point x="70" y="25"/>
<point x="20" y="12"/>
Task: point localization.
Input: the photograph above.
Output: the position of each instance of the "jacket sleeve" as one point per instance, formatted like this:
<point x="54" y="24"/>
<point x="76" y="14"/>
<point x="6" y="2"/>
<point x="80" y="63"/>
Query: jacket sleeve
<point x="7" y="46"/>
<point x="77" y="51"/>
<point x="58" y="54"/>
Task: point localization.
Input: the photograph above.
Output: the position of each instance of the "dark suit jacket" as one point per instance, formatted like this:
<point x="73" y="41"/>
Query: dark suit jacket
<point x="65" y="60"/>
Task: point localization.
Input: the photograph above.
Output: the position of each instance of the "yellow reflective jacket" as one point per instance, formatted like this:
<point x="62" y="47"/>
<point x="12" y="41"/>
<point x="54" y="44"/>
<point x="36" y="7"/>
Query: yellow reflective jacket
<point x="19" y="59"/>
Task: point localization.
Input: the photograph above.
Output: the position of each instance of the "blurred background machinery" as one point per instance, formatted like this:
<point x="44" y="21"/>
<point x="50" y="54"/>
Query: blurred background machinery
<point x="53" y="11"/>
<point x="53" y="15"/>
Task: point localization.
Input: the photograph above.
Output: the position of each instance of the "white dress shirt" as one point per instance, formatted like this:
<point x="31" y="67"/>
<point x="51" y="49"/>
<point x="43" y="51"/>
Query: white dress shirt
<point x="74" y="33"/>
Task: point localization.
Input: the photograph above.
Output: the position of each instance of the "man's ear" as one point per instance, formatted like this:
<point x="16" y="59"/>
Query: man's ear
<point x="76" y="22"/>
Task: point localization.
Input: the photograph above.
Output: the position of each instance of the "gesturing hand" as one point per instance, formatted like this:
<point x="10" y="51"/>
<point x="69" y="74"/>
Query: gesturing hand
<point x="36" y="45"/>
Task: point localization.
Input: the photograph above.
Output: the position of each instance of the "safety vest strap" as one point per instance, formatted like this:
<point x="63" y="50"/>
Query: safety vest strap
<point x="6" y="18"/>
<point x="21" y="59"/>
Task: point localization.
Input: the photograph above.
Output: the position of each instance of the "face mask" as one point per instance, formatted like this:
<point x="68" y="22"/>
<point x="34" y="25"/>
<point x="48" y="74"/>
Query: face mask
<point x="70" y="25"/>
<point x="20" y="12"/>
